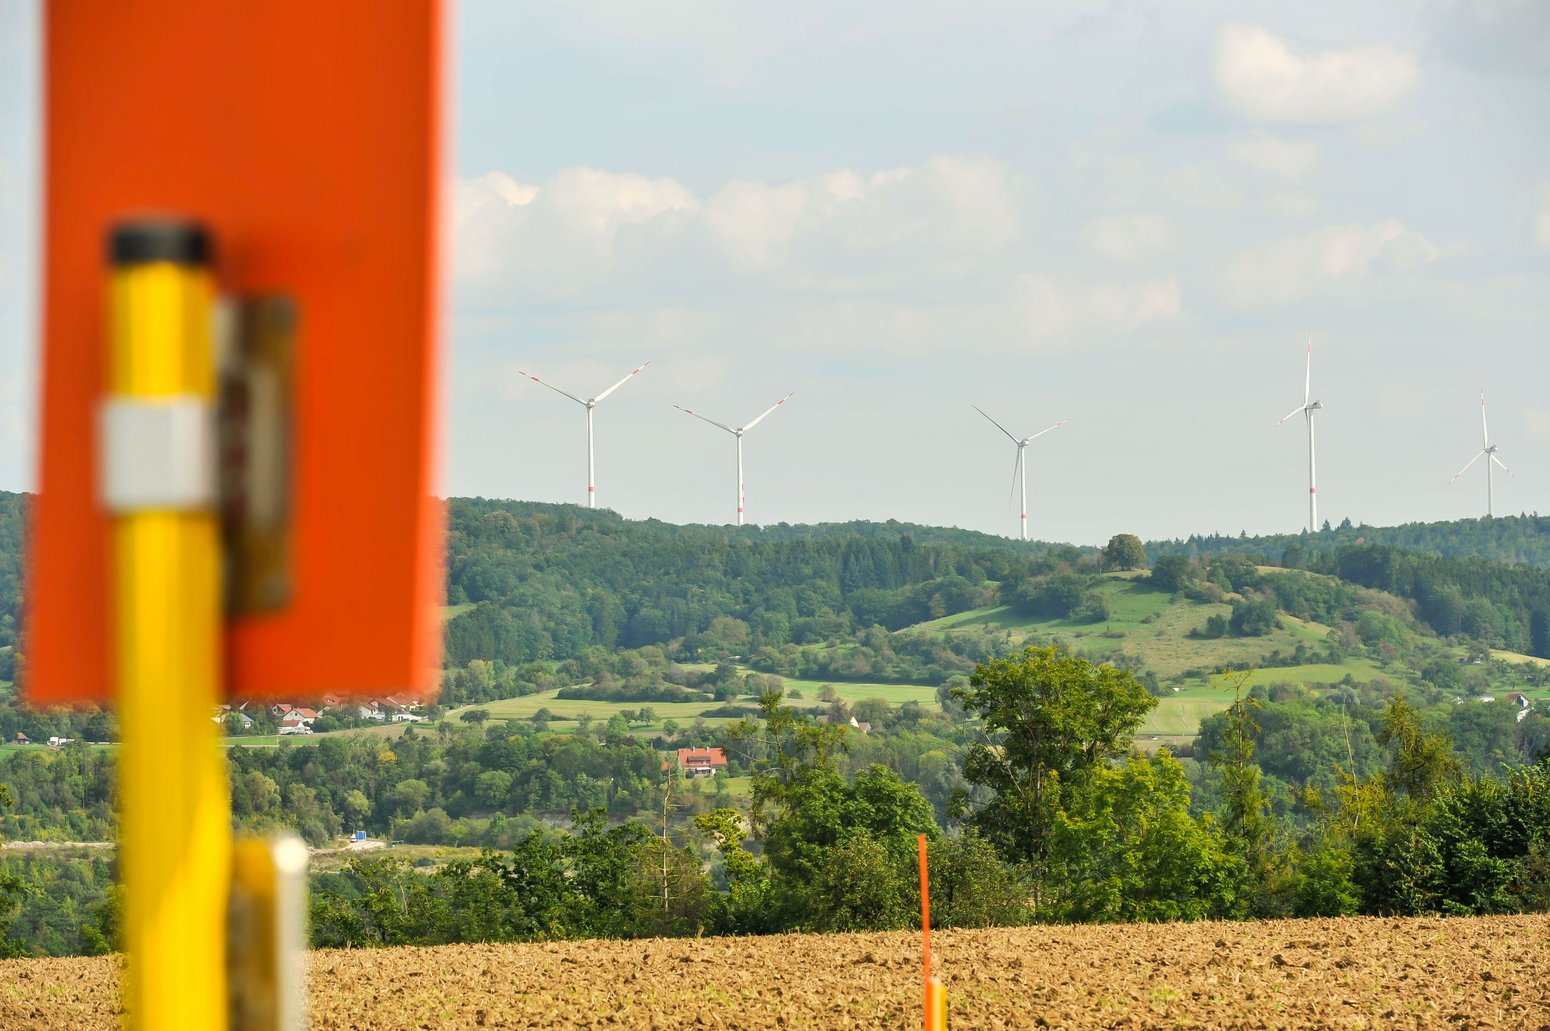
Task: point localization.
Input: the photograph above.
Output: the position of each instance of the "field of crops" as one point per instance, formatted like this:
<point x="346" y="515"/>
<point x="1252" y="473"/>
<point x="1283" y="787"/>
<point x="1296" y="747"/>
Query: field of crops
<point x="1491" y="972"/>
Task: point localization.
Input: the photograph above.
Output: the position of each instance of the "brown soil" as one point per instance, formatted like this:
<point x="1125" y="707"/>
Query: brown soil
<point x="1368" y="973"/>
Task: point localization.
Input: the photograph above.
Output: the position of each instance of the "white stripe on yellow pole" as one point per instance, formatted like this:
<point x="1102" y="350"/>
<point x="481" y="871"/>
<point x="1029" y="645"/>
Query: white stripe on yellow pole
<point x="174" y="801"/>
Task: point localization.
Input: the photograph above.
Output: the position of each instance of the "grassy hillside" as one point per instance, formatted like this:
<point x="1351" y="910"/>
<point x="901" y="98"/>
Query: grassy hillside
<point x="1154" y="627"/>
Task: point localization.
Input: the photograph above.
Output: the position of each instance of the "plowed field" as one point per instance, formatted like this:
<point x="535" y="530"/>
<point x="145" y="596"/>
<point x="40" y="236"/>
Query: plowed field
<point x="1369" y="973"/>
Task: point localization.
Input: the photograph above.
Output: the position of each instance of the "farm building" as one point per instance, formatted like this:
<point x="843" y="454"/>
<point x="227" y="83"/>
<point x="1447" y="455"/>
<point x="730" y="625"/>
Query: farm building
<point x="701" y="762"/>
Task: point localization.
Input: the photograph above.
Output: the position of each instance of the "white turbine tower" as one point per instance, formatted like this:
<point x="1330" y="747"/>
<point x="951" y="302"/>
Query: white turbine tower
<point x="1307" y="408"/>
<point x="1488" y="452"/>
<point x="1020" y="469"/>
<point x="738" y="434"/>
<point x="589" y="404"/>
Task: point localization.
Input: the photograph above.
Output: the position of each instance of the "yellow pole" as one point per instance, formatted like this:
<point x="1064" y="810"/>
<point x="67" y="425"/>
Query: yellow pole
<point x="174" y="802"/>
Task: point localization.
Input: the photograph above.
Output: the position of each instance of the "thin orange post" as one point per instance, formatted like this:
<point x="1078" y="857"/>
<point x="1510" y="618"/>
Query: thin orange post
<point x="934" y="999"/>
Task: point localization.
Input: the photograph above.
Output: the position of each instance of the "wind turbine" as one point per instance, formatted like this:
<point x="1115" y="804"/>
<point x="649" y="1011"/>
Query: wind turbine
<point x="738" y="434"/>
<point x="1020" y="470"/>
<point x="1307" y="408"/>
<point x="590" y="403"/>
<point x="1488" y="452"/>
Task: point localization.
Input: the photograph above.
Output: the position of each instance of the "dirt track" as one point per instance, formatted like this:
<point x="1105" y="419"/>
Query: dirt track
<point x="1458" y="973"/>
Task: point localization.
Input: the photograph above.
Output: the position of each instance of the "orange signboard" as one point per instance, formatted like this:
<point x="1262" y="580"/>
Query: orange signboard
<point x="306" y="137"/>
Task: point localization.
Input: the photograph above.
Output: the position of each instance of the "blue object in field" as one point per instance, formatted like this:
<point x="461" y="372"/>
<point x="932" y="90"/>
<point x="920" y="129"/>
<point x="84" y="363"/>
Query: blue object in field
<point x="360" y="835"/>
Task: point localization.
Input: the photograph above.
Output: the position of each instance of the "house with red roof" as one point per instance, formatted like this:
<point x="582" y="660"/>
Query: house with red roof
<point x="701" y="762"/>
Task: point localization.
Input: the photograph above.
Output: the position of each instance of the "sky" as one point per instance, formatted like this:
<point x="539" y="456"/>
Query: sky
<point x="1129" y="215"/>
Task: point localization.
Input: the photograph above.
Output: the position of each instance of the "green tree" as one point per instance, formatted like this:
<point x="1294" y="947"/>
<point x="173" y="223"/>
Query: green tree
<point x="1246" y="821"/>
<point x="830" y="834"/>
<point x="1126" y="848"/>
<point x="1048" y="719"/>
<point x="1421" y="761"/>
<point x="1253" y="617"/>
<point x="11" y="891"/>
<point x="1124" y="551"/>
<point x="1170" y="572"/>
<point x="972" y="887"/>
<point x="747" y="904"/>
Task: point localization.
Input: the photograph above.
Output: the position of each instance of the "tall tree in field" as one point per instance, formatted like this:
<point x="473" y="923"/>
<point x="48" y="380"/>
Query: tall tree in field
<point x="1048" y="718"/>
<point x="1124" y="551"/>
<point x="1246" y="820"/>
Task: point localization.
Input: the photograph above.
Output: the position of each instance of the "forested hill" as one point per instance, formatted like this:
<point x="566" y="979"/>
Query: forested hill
<point x="541" y="582"/>
<point x="1514" y="540"/>
<point x="547" y="581"/>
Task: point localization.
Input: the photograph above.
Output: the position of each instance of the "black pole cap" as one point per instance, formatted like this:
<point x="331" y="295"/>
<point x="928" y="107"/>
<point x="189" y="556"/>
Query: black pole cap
<point x="143" y="240"/>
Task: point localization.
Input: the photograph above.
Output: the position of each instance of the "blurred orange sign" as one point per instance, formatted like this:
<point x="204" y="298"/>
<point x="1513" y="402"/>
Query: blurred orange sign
<point x="307" y="137"/>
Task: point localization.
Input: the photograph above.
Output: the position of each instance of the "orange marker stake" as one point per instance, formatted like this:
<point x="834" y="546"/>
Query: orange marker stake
<point x="934" y="999"/>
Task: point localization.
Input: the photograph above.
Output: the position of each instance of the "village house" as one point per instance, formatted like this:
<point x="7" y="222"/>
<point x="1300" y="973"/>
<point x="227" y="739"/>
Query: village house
<point x="861" y="725"/>
<point x="225" y="712"/>
<point x="22" y="739"/>
<point x="701" y="762"/>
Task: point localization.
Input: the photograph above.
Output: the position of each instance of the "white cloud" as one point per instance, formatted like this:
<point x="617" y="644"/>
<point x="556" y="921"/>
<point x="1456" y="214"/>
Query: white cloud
<point x="835" y="231"/>
<point x="1288" y="158"/>
<point x="1288" y="268"/>
<point x="1054" y="311"/>
<point x="1542" y="218"/>
<point x="1260" y="77"/>
<point x="558" y="238"/>
<point x="1130" y="237"/>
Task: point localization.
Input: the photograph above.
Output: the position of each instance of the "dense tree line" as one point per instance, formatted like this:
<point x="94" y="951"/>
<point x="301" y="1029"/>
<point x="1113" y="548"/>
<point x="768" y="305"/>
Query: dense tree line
<point x="1498" y="604"/>
<point x="546" y="582"/>
<point x="1522" y="540"/>
<point x="1053" y="816"/>
<point x="1058" y="819"/>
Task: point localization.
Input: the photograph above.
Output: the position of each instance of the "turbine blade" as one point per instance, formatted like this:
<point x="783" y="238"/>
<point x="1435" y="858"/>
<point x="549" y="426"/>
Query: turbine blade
<point x="551" y="386"/>
<point x="768" y="410"/>
<point x="1045" y="430"/>
<point x="1485" y="432"/>
<point x="996" y="424"/>
<point x="1294" y="411"/>
<point x="713" y="422"/>
<point x="621" y="383"/>
<point x="1471" y="462"/>
<point x="1500" y="466"/>
<point x="1307" y="383"/>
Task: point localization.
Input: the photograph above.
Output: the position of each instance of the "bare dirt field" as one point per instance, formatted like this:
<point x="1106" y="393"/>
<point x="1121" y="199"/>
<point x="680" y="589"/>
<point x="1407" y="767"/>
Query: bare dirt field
<point x="1367" y="973"/>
